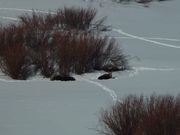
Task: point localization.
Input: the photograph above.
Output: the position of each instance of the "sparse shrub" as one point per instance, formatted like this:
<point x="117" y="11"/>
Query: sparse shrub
<point x="80" y="19"/>
<point x="76" y="18"/>
<point x="38" y="27"/>
<point x="38" y="21"/>
<point x="156" y="115"/>
<point x="65" y="19"/>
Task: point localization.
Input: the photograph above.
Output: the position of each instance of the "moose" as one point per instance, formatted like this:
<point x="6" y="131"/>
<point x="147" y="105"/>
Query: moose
<point x="56" y="77"/>
<point x="105" y="76"/>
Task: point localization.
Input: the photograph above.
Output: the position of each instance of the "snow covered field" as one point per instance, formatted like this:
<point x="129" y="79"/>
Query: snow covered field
<point x="40" y="107"/>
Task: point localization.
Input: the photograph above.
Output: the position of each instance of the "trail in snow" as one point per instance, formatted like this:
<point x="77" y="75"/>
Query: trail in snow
<point x="26" y="10"/>
<point x="23" y="10"/>
<point x="147" y="40"/>
<point x="155" y="69"/>
<point x="9" y="80"/>
<point x="9" y="18"/>
<point x="151" y="38"/>
<point x="136" y="70"/>
<point x="110" y="91"/>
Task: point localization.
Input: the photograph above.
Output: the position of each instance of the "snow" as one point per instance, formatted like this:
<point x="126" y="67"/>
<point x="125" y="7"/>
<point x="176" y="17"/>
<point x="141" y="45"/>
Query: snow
<point x="41" y="107"/>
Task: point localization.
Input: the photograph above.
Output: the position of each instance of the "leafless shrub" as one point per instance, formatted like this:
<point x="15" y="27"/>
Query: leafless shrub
<point x="10" y="34"/>
<point x="15" y="59"/>
<point x="84" y="52"/>
<point x="1" y="39"/>
<point x="38" y="21"/>
<point x="64" y="19"/>
<point x="65" y="39"/>
<point x="156" y="115"/>
<point x="45" y="60"/>
<point x="123" y="118"/>
<point x="76" y="18"/>
<point x="114" y="58"/>
<point x="81" y="19"/>
<point x="14" y="62"/>
<point x="161" y="116"/>
<point x="64" y="51"/>
<point x="39" y="27"/>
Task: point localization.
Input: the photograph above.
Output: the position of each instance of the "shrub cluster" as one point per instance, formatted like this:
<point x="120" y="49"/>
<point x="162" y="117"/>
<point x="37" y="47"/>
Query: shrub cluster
<point x="156" y="115"/>
<point x="64" y="42"/>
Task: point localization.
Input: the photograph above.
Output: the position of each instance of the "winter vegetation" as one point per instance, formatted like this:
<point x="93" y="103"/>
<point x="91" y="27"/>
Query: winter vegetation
<point x="64" y="42"/>
<point x="71" y="44"/>
<point x="139" y="115"/>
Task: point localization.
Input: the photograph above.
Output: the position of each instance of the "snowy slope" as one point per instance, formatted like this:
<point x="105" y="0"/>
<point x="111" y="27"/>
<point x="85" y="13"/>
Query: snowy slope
<point x="41" y="107"/>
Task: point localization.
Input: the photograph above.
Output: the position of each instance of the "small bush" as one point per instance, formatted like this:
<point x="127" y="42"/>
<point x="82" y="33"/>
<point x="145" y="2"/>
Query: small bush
<point x="156" y="115"/>
<point x="80" y="19"/>
<point x="76" y="18"/>
<point x="161" y="116"/>
<point x="10" y="34"/>
<point x="123" y="118"/>
<point x="39" y="22"/>
<point x="14" y="62"/>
